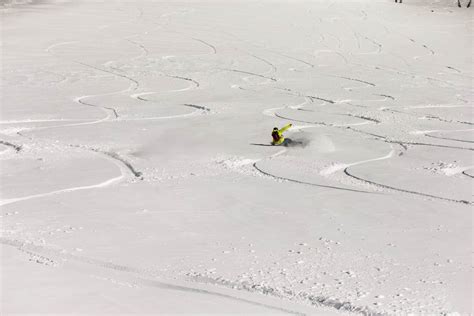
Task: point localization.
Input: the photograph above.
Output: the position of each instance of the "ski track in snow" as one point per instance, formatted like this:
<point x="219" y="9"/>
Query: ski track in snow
<point x="249" y="73"/>
<point x="117" y="157"/>
<point x="431" y="52"/>
<point x="384" y="186"/>
<point x="315" y="300"/>
<point x="145" y="277"/>
<point x="272" y="113"/>
<point x="426" y="133"/>
<point x="142" y="47"/>
<point x="295" y="59"/>
<point x="123" y="165"/>
<point x="72" y="189"/>
<point x="342" y="166"/>
<point x="111" y="113"/>
<point x="193" y="84"/>
<point x="212" y="47"/>
<point x="266" y="173"/>
<point x="346" y="171"/>
<point x="126" y="167"/>
<point x="17" y="148"/>
<point x="102" y="184"/>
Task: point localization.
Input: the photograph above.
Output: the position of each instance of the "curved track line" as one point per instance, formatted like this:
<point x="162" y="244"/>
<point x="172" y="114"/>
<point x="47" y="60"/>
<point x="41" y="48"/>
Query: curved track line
<point x="357" y="80"/>
<point x="272" y="112"/>
<point x="272" y="66"/>
<point x="214" y="50"/>
<point x="115" y="156"/>
<point x="134" y="83"/>
<point x="106" y="108"/>
<point x="447" y="121"/>
<point x="294" y="58"/>
<point x="17" y="148"/>
<point x="467" y="174"/>
<point x="79" y="188"/>
<point x="193" y="82"/>
<point x="28" y="121"/>
<point x="453" y="139"/>
<point x="363" y="117"/>
<point x="425" y="133"/>
<point x="386" y="96"/>
<point x="185" y="78"/>
<point x="337" y="167"/>
<point x="404" y="143"/>
<point x="315" y="300"/>
<point x="299" y="94"/>
<point x="307" y="183"/>
<point x="198" y="109"/>
<point x="375" y="43"/>
<point x="383" y="138"/>
<point x="431" y="52"/>
<point x="87" y="187"/>
<point x="346" y="171"/>
<point x="330" y="51"/>
<point x="50" y="47"/>
<point x="133" y="86"/>
<point x="141" y="46"/>
<point x="142" y="276"/>
<point x="249" y="73"/>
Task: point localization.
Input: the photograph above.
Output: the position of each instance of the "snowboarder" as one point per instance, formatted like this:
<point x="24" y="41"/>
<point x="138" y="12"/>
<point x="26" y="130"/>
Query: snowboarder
<point x="277" y="135"/>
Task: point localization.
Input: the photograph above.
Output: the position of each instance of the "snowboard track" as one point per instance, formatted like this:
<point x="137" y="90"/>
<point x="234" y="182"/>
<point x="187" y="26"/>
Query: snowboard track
<point x="363" y="117"/>
<point x="295" y="59"/>
<point x="214" y="50"/>
<point x="274" y="68"/>
<point x="452" y="139"/>
<point x="405" y="143"/>
<point x="135" y="83"/>
<point x="249" y="73"/>
<point x="141" y="46"/>
<point x="17" y="148"/>
<point x="307" y="183"/>
<point x="144" y="277"/>
<point x="381" y="137"/>
<point x="384" y="186"/>
<point x="310" y="97"/>
<point x="467" y="174"/>
<point x="199" y="107"/>
<point x="284" y="293"/>
<point x="446" y="120"/>
<point x="385" y="139"/>
<point x="357" y="80"/>
<point x="114" y="156"/>
<point x="79" y="100"/>
<point x="387" y="96"/>
<point x="185" y="78"/>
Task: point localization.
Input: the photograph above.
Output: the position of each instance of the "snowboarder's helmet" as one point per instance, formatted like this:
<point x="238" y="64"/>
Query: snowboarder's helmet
<point x="275" y="128"/>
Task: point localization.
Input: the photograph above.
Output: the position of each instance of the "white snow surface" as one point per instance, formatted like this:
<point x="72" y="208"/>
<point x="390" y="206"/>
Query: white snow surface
<point x="137" y="175"/>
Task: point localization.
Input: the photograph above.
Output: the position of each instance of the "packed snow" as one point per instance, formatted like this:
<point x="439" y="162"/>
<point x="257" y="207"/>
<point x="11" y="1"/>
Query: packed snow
<point x="138" y="176"/>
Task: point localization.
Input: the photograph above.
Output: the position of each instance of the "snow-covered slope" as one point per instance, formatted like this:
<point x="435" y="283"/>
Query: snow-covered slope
<point x="137" y="175"/>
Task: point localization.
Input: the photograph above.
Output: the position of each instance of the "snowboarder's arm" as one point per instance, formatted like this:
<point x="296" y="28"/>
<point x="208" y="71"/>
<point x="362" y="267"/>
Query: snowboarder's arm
<point x="284" y="128"/>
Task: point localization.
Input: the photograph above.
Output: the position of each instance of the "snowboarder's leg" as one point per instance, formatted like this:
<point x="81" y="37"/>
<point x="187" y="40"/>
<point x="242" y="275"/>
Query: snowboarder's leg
<point x="469" y="4"/>
<point x="287" y="142"/>
<point x="459" y="3"/>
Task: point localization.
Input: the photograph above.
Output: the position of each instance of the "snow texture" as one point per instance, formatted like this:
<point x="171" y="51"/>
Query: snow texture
<point x="137" y="171"/>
